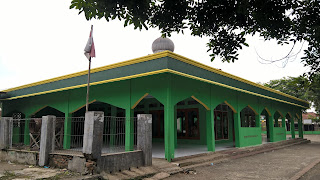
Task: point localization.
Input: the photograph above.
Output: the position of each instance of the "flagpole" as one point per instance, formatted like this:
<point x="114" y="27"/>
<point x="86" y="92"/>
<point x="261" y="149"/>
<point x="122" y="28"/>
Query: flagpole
<point x="88" y="85"/>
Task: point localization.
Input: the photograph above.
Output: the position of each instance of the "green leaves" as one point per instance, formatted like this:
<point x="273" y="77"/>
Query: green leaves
<point x="227" y="22"/>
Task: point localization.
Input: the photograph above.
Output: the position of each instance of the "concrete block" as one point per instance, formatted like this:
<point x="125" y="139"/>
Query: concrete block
<point x="144" y="137"/>
<point x="6" y="132"/>
<point x="77" y="164"/>
<point x="47" y="136"/>
<point x="93" y="134"/>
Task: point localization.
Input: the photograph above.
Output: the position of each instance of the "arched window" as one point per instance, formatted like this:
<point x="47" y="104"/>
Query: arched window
<point x="248" y="117"/>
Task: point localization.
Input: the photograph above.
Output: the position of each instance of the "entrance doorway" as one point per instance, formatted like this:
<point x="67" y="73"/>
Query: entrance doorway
<point x="223" y="127"/>
<point x="188" y="124"/>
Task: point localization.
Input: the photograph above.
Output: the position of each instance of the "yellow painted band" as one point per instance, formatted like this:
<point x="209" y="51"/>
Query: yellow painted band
<point x="269" y="113"/>
<point x="255" y="112"/>
<point x="82" y="106"/>
<point x="158" y="72"/>
<point x="39" y="110"/>
<point x="204" y="105"/>
<point x="234" y="110"/>
<point x="139" y="100"/>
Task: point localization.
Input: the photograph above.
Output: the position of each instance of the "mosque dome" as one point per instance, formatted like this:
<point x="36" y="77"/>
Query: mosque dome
<point x="162" y="44"/>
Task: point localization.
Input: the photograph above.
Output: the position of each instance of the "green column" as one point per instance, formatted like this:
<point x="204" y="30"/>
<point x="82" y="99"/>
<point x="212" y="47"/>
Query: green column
<point x="300" y="126"/>
<point x="169" y="123"/>
<point x="292" y="128"/>
<point x="284" y="122"/>
<point x="175" y="127"/>
<point x="210" y="131"/>
<point x="67" y="131"/>
<point x="169" y="131"/>
<point x="112" y="125"/>
<point x="237" y="126"/>
<point x="26" y="137"/>
<point x="129" y="136"/>
<point x="271" y="127"/>
<point x="258" y="123"/>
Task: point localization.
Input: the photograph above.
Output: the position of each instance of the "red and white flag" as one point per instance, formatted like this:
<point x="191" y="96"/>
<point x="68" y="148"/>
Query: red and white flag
<point x="89" y="50"/>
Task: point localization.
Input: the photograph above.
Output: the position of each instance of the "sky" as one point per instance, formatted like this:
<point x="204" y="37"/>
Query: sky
<point x="45" y="39"/>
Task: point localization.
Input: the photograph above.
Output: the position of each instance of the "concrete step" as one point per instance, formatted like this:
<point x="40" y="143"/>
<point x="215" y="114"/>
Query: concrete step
<point x="222" y="156"/>
<point x="133" y="173"/>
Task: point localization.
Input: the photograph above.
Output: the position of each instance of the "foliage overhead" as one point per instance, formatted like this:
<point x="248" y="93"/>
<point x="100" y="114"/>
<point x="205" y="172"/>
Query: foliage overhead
<point x="300" y="87"/>
<point x="226" y="22"/>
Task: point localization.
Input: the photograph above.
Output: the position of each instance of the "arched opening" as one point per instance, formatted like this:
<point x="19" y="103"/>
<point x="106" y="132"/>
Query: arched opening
<point x="289" y="125"/>
<point x="148" y="104"/>
<point x="35" y="122"/>
<point x="277" y="119"/>
<point x="224" y="127"/>
<point x="248" y="117"/>
<point x="265" y="128"/>
<point x="114" y="127"/>
<point x="190" y="126"/>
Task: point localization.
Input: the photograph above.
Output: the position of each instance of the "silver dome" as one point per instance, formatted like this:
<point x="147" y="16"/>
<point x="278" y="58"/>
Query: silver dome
<point x="162" y="44"/>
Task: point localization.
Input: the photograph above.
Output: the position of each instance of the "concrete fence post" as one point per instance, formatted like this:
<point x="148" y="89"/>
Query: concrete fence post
<point x="46" y="139"/>
<point x="144" y="137"/>
<point x="93" y="139"/>
<point x="6" y="124"/>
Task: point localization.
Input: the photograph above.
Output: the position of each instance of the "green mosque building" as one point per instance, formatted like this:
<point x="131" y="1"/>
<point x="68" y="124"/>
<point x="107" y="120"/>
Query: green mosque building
<point x="190" y="103"/>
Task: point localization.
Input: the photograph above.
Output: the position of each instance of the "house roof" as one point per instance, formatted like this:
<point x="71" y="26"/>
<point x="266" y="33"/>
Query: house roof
<point x="162" y="62"/>
<point x="309" y="115"/>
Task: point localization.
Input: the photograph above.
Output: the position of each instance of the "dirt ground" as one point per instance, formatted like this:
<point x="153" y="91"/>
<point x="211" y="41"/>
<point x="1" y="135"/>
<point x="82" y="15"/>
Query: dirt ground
<point x="279" y="164"/>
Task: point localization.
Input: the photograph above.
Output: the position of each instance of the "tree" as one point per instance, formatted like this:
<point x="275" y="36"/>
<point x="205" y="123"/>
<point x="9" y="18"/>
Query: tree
<point x="227" y="22"/>
<point x="300" y="87"/>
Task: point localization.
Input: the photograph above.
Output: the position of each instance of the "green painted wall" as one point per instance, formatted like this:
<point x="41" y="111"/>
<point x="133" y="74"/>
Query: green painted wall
<point x="167" y="89"/>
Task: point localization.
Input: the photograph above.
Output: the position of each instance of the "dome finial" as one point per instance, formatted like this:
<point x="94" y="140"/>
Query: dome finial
<point x="162" y="44"/>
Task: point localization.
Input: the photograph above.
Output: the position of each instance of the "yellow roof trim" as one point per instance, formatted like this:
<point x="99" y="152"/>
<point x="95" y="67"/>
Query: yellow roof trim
<point x="151" y="57"/>
<point x="158" y="72"/>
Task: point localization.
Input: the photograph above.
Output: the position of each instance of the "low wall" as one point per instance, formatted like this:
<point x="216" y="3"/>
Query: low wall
<point x="20" y="156"/>
<point x="112" y="162"/>
<point x="121" y="161"/>
<point x="250" y="136"/>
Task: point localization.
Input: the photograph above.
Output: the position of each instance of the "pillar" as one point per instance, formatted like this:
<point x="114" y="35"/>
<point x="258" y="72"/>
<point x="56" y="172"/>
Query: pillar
<point x="26" y="137"/>
<point x="67" y="130"/>
<point x="93" y="134"/>
<point x="6" y="125"/>
<point x="271" y="127"/>
<point x="112" y="124"/>
<point x="144" y="137"/>
<point x="237" y="126"/>
<point x="300" y="125"/>
<point x="292" y="128"/>
<point x="47" y="139"/>
<point x="258" y="122"/>
<point x="129" y="134"/>
<point x="169" y="122"/>
<point x="210" y="130"/>
<point x="284" y="122"/>
<point x="175" y="127"/>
